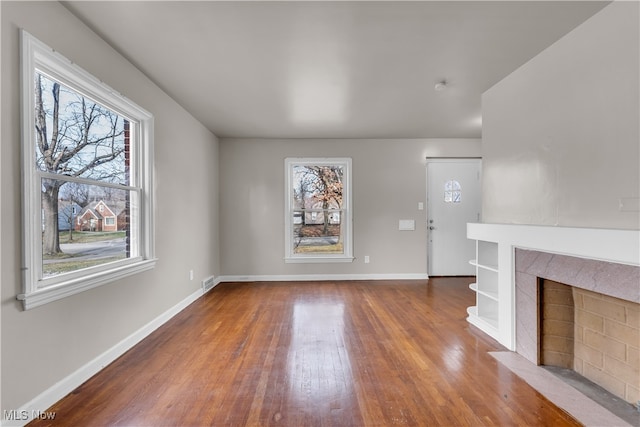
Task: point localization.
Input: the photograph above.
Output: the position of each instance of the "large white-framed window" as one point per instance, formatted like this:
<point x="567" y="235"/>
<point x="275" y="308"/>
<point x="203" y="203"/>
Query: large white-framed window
<point x="318" y="213"/>
<point x="86" y="150"/>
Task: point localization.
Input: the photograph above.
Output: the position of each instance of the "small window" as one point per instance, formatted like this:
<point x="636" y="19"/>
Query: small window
<point x="82" y="142"/>
<point x="318" y="210"/>
<point x="452" y="192"/>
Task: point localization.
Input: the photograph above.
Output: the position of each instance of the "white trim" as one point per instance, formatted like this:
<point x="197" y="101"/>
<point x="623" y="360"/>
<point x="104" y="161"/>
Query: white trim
<point x="84" y="283"/>
<point x="1" y="222"/>
<point x="321" y="277"/>
<point x="309" y="259"/>
<point x="65" y="386"/>
<point x="610" y="245"/>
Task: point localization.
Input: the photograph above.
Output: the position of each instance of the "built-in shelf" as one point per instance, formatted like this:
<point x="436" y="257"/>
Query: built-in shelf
<point x="489" y="294"/>
<point x="485" y="314"/>
<point x="487" y="324"/>
<point x="475" y="263"/>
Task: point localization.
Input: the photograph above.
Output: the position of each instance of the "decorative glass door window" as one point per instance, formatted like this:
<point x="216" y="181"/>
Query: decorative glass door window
<point x="452" y="192"/>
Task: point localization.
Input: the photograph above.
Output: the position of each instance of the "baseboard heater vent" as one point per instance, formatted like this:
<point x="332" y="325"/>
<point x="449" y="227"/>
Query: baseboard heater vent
<point x="208" y="284"/>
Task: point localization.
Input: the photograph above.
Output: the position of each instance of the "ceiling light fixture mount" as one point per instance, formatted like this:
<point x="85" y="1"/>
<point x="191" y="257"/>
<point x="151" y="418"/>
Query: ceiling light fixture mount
<point x="440" y="86"/>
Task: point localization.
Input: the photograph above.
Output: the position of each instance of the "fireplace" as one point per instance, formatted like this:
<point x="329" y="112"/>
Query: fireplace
<point x="580" y="314"/>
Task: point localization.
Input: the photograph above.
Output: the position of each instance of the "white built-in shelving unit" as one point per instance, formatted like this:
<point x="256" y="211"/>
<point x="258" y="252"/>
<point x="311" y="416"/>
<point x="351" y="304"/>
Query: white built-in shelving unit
<point x="485" y="314"/>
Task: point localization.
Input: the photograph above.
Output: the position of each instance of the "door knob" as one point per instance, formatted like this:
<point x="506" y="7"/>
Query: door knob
<point x="432" y="227"/>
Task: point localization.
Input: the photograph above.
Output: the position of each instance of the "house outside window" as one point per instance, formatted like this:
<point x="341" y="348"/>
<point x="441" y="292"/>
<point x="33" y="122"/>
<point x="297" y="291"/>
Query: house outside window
<point x="318" y="210"/>
<point x="82" y="142"/>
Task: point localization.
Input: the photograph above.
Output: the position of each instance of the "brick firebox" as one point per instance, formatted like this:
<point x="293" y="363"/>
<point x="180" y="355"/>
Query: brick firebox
<point x="606" y="319"/>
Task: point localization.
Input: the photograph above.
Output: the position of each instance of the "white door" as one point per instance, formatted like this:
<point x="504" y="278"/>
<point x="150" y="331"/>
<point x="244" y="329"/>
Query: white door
<point x="453" y="200"/>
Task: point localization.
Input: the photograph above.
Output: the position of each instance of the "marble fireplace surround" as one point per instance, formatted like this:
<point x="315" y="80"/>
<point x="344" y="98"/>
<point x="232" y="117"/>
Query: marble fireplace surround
<point x="607" y="278"/>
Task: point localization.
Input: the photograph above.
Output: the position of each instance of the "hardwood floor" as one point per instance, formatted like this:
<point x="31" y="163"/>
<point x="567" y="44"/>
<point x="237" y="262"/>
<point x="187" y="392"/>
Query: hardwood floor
<point x="313" y="354"/>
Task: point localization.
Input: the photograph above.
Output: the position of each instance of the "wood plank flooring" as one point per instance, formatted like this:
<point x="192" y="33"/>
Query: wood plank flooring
<point x="313" y="354"/>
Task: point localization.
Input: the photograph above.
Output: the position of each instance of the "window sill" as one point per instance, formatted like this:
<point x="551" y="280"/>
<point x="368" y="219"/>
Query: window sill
<point x="73" y="286"/>
<point x="317" y="259"/>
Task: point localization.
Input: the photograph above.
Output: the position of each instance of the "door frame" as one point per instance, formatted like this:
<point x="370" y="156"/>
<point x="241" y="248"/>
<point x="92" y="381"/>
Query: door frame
<point x="449" y="159"/>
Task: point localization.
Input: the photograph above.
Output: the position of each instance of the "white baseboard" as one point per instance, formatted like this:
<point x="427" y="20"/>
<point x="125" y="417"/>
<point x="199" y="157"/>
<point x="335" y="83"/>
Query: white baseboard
<point x="44" y="400"/>
<point x="321" y="277"/>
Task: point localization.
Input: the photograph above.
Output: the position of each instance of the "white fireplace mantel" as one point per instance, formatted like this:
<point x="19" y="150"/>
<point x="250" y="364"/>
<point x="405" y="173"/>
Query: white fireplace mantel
<point x="495" y="310"/>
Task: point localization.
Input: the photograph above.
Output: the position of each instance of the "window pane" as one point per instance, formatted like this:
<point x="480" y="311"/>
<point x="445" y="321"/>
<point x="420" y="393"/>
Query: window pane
<point x="317" y="187"/>
<point x="77" y="137"/>
<point x="317" y="200"/>
<point x="452" y="185"/>
<point x="452" y="191"/>
<point x="317" y="232"/>
<point x="83" y="226"/>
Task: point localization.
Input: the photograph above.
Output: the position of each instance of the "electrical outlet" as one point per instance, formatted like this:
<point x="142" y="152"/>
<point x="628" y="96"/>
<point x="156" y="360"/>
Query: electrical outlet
<point x="366" y="259"/>
<point x="190" y="274"/>
<point x="629" y="204"/>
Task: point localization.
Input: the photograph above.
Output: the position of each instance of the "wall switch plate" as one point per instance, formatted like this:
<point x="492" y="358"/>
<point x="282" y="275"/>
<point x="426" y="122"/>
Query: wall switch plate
<point x="420" y="206"/>
<point x="406" y="225"/>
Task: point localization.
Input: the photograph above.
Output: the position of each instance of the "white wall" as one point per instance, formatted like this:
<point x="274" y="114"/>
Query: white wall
<point x="42" y="346"/>
<point x="561" y="134"/>
<point x="388" y="178"/>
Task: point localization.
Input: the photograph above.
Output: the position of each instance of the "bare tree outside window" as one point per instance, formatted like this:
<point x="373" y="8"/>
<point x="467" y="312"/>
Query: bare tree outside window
<point x="318" y="193"/>
<point x="77" y="138"/>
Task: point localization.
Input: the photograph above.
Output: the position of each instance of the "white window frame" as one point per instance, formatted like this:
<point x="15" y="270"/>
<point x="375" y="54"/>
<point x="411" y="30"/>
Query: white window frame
<point x="36" y="291"/>
<point x="346" y="211"/>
